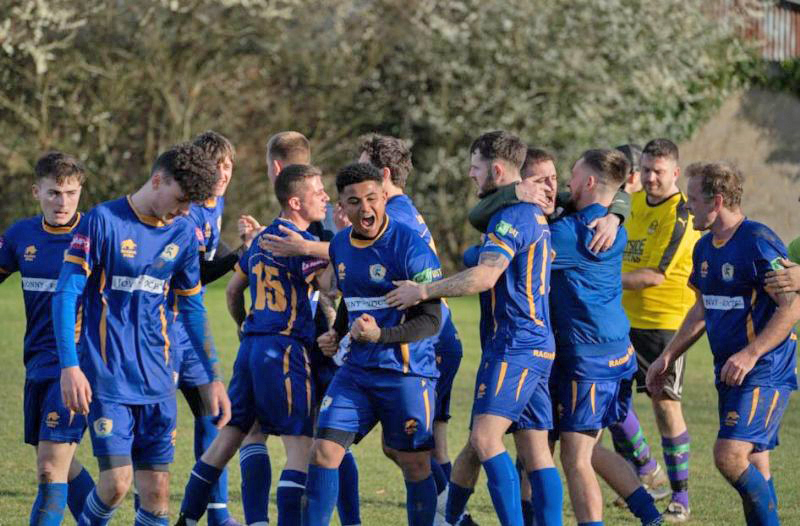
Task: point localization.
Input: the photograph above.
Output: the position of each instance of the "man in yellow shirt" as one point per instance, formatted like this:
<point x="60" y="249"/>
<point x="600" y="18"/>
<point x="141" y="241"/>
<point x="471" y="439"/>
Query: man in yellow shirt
<point x="655" y="271"/>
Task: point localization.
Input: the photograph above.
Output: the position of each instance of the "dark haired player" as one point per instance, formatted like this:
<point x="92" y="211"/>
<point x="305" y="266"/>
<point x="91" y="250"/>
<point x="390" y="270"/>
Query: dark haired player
<point x="123" y="258"/>
<point x="271" y="384"/>
<point x="512" y="382"/>
<point x="35" y="247"/>
<point x="389" y="374"/>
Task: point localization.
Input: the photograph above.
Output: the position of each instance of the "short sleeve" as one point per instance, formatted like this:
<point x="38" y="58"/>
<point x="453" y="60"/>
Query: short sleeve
<point x="87" y="243"/>
<point x="8" y="260"/>
<point x="422" y="265"/>
<point x="503" y="235"/>
<point x="564" y="240"/>
<point x="186" y="277"/>
<point x="694" y="280"/>
<point x="768" y="251"/>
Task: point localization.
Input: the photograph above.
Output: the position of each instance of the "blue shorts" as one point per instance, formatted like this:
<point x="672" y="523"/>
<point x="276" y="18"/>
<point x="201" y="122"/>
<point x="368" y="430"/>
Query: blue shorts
<point x="583" y="405"/>
<point x="272" y="384"/>
<point x="448" y="358"/>
<point x="145" y="433"/>
<point x="513" y="392"/>
<point x="357" y="399"/>
<point x="185" y="361"/>
<point x="752" y="414"/>
<point x="46" y="417"/>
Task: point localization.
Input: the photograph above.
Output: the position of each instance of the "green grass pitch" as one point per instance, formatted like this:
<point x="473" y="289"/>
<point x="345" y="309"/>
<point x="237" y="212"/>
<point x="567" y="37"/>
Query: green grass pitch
<point x="382" y="489"/>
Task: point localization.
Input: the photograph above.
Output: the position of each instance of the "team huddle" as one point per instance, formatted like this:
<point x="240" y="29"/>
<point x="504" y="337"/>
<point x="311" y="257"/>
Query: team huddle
<point x="583" y="295"/>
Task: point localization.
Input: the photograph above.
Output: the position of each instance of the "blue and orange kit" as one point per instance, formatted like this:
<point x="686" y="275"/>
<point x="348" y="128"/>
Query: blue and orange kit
<point x="590" y="325"/>
<point x="520" y="332"/>
<point x="279" y="288"/>
<point x="36" y="250"/>
<point x="130" y="262"/>
<point x="207" y="218"/>
<point x="730" y="279"/>
<point x="365" y="270"/>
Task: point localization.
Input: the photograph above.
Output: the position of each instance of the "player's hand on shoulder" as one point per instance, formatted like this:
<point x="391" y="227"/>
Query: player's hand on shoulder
<point x="736" y="368"/>
<point x="291" y="244"/>
<point x="605" y="232"/>
<point x="220" y="403"/>
<point x="75" y="390"/>
<point x="328" y="342"/>
<point x="407" y="294"/>
<point x="784" y="280"/>
<point x="365" y="329"/>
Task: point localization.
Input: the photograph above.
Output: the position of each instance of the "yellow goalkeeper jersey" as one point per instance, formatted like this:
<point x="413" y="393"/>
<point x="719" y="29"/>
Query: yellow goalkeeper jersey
<point x="661" y="237"/>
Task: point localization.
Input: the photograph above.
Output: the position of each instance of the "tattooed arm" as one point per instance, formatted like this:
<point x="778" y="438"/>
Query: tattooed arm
<point x="491" y="266"/>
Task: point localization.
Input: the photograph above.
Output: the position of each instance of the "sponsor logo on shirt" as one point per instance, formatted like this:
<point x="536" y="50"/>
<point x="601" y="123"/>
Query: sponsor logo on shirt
<point x="39" y="284"/>
<point x="142" y="283"/>
<point x="312" y="265"/>
<point x="30" y="253"/>
<point x="428" y="275"/>
<point x="505" y="228"/>
<point x="103" y="427"/>
<point x="775" y="263"/>
<point x="359" y="304"/>
<point x="377" y="272"/>
<point x="727" y="272"/>
<point x="723" y="302"/>
<point x="199" y="234"/>
<point x="80" y="242"/>
<point x="128" y="248"/>
<point x="633" y="250"/>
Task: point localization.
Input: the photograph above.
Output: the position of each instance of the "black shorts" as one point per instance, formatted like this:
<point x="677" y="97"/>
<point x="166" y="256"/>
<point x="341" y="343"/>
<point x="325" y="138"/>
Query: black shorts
<point x="648" y="344"/>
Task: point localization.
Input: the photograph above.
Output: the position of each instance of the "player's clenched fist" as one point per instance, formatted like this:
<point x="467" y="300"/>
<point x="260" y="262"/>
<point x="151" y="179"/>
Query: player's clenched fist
<point x="328" y="342"/>
<point x="75" y="390"/>
<point x="365" y="329"/>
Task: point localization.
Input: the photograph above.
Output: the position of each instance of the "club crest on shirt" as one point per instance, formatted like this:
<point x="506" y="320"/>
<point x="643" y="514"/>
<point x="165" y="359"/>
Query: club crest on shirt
<point x="704" y="269"/>
<point x="170" y="252"/>
<point x="208" y="230"/>
<point x="653" y="227"/>
<point x="727" y="272"/>
<point x="128" y="248"/>
<point x="103" y="427"/>
<point x="30" y="253"/>
<point x="377" y="272"/>
<point x="340" y="271"/>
